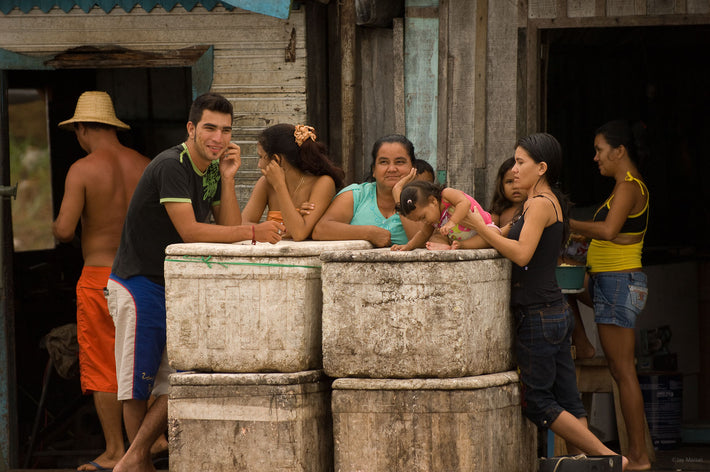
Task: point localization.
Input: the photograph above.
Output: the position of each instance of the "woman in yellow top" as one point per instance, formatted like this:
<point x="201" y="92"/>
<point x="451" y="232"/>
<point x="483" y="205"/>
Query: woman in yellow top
<point x="617" y="287"/>
<point x="298" y="179"/>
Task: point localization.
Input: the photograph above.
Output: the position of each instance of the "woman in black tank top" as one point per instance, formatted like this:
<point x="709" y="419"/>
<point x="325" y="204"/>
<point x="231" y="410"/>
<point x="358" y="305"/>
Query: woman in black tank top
<point x="544" y="322"/>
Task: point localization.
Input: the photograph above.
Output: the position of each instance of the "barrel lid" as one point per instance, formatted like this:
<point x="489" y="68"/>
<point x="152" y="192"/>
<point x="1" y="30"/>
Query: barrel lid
<point x="280" y="249"/>
<point x="191" y="378"/>
<point x="418" y="255"/>
<point x="459" y="383"/>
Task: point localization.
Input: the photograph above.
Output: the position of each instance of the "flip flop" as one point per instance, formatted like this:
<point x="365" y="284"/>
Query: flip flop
<point x="98" y="467"/>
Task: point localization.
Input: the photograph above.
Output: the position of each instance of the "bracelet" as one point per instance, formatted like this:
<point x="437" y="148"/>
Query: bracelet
<point x="253" y="235"/>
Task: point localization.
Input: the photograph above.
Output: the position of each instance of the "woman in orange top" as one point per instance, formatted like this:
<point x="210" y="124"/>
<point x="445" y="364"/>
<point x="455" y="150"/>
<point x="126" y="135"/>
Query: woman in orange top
<point x="298" y="179"/>
<point x="617" y="286"/>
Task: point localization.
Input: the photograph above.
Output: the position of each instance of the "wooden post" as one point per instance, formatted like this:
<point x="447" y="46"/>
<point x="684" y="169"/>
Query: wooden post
<point x="8" y="403"/>
<point x="347" y="87"/>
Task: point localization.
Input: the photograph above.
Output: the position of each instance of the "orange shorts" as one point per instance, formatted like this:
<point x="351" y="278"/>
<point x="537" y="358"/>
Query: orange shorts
<point x="95" y="332"/>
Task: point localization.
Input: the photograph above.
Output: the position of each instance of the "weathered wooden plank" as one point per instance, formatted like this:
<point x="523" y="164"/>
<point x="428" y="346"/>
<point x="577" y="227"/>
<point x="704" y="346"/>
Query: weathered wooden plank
<point x="698" y="6"/>
<point x="116" y="57"/>
<point x="248" y="90"/>
<point x="463" y="80"/>
<point x="347" y="86"/>
<point x="664" y="7"/>
<point x="377" y="100"/>
<point x="157" y="30"/>
<point x="480" y="75"/>
<point x="398" y="74"/>
<point x="501" y="87"/>
<point x="621" y="21"/>
<point x="445" y="97"/>
<point x="621" y="7"/>
<point x="421" y="79"/>
<point x="286" y="82"/>
<point x="580" y="8"/>
<point x="542" y="9"/>
<point x="532" y="54"/>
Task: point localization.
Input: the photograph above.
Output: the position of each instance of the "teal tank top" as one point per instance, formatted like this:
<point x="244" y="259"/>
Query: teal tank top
<point x="367" y="213"/>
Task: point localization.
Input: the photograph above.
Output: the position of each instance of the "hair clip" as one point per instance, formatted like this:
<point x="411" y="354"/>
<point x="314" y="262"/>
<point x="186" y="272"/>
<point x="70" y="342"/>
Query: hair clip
<point x="303" y="132"/>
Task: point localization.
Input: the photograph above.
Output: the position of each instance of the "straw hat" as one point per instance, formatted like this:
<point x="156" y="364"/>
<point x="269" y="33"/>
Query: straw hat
<point x="94" y="107"/>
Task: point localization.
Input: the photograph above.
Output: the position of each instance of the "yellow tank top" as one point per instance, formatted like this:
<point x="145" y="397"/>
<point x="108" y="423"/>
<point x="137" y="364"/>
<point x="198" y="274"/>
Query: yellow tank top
<point x="606" y="256"/>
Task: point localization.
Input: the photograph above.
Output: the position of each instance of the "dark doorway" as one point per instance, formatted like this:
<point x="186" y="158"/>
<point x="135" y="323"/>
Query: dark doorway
<point x="658" y="75"/>
<point x="155" y="103"/>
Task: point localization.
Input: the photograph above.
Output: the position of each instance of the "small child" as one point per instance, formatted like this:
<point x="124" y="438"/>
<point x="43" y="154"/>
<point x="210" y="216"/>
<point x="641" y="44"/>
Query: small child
<point x="424" y="171"/>
<point x="445" y="209"/>
<point x="507" y="199"/>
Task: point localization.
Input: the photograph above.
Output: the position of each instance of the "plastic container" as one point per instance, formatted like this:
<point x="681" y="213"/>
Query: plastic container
<point x="418" y="425"/>
<point x="663" y="404"/>
<point x="239" y="308"/>
<point x="250" y="422"/>
<point x="570" y="277"/>
<point x="416" y="314"/>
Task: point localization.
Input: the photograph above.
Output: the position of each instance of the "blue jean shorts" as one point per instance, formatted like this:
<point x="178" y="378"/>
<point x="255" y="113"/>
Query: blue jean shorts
<point x="618" y="297"/>
<point x="543" y="349"/>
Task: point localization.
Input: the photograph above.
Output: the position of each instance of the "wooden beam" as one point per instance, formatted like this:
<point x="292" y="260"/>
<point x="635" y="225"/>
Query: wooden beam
<point x="93" y="57"/>
<point x="619" y="21"/>
<point x="398" y="75"/>
<point x="444" y="85"/>
<point x="532" y="70"/>
<point x="8" y="386"/>
<point x="479" y="91"/>
<point x="347" y="87"/>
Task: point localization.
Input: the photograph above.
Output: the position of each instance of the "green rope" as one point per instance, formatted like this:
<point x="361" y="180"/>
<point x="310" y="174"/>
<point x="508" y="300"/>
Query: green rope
<point x="207" y="260"/>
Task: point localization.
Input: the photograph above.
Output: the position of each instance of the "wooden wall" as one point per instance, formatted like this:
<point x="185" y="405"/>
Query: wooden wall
<point x="259" y="61"/>
<point x="490" y="67"/>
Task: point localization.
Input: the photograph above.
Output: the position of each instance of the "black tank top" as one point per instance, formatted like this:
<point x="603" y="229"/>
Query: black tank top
<point x="536" y="283"/>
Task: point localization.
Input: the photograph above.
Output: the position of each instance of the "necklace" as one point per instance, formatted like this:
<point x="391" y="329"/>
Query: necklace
<point x="297" y="187"/>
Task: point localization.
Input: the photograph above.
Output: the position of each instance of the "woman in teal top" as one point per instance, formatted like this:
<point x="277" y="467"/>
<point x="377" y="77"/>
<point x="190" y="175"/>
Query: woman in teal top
<point x="367" y="211"/>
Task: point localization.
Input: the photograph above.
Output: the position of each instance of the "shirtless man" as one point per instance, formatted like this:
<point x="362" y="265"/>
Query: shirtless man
<point x="98" y="189"/>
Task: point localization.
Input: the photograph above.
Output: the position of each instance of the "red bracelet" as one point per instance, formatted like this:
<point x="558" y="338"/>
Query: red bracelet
<point x="253" y="235"/>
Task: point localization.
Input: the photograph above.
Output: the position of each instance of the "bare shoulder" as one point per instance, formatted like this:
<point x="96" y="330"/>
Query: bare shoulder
<point x="543" y="206"/>
<point x="323" y="181"/>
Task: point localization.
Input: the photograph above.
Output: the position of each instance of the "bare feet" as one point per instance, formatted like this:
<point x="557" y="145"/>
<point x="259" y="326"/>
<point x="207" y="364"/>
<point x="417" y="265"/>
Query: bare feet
<point x="135" y="463"/>
<point x="159" y="446"/>
<point x="104" y="461"/>
<point x="432" y="246"/>
<point x="624" y="463"/>
<point x="640" y="465"/>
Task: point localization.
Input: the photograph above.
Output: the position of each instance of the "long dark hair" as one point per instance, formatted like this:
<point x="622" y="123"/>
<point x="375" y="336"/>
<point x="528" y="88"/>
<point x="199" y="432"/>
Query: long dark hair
<point x="543" y="147"/>
<point x="500" y="202"/>
<point x="630" y="135"/>
<point x="416" y="192"/>
<point x="310" y="157"/>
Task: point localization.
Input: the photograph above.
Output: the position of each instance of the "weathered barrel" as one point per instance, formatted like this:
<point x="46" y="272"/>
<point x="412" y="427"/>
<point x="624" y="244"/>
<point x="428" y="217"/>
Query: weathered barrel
<point x="253" y="422"/>
<point x="426" y="425"/>
<point x="246" y="308"/>
<point x="390" y="314"/>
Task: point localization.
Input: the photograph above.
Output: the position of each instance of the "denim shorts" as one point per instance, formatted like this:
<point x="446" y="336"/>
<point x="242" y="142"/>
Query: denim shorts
<point x="618" y="297"/>
<point x="543" y="350"/>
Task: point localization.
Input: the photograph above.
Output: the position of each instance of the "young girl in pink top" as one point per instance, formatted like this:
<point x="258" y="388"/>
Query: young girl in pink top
<point x="443" y="209"/>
